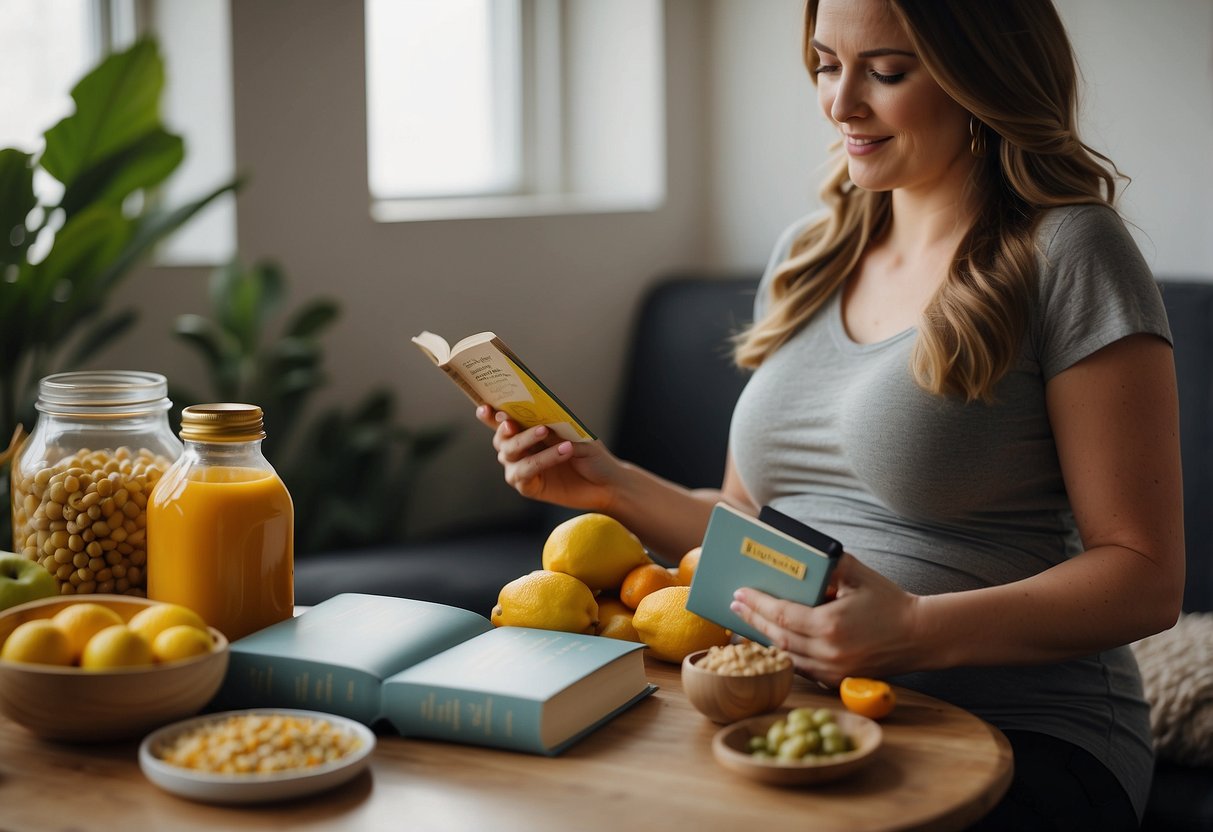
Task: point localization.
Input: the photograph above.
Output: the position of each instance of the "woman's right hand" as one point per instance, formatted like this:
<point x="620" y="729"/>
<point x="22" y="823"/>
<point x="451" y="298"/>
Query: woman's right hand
<point x="572" y="474"/>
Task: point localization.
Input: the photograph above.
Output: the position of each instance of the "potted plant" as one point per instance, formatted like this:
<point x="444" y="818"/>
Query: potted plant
<point x="349" y="469"/>
<point x="61" y="257"/>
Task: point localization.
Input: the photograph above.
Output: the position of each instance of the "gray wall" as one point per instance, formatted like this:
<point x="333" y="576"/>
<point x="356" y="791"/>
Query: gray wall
<point x="745" y="145"/>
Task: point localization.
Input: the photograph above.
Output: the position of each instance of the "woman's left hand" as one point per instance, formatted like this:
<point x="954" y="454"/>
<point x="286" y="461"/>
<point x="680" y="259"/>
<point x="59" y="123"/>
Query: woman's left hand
<point x="867" y="630"/>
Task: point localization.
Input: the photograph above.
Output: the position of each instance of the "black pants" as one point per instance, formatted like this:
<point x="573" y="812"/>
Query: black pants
<point x="1058" y="786"/>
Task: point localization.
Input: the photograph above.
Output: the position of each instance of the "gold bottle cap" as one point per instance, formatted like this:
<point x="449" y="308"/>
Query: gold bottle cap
<point x="224" y="422"/>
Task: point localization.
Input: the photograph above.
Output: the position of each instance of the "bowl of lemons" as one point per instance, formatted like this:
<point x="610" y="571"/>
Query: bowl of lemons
<point x="97" y="668"/>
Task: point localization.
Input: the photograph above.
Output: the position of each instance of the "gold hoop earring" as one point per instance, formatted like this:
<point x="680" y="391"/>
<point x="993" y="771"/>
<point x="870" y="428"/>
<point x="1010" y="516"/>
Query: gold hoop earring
<point x="977" y="137"/>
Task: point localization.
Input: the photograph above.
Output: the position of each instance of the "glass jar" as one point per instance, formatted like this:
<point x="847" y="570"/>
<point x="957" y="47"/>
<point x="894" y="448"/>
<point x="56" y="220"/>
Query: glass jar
<point x="221" y="525"/>
<point x="81" y="480"/>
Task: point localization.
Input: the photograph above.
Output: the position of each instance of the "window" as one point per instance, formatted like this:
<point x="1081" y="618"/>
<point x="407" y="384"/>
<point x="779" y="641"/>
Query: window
<point x="47" y="45"/>
<point x="505" y="107"/>
<point x="443" y="97"/>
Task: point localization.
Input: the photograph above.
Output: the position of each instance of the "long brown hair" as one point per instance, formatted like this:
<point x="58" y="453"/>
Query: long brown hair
<point x="1009" y="64"/>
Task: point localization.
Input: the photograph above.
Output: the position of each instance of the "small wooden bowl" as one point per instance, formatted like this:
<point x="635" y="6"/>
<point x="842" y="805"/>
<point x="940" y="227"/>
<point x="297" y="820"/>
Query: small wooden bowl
<point x="727" y="699"/>
<point x="68" y="703"/>
<point x="729" y="749"/>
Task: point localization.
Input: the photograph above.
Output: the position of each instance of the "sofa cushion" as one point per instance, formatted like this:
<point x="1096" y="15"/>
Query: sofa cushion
<point x="1177" y="673"/>
<point x="461" y="571"/>
<point x="1190" y="311"/>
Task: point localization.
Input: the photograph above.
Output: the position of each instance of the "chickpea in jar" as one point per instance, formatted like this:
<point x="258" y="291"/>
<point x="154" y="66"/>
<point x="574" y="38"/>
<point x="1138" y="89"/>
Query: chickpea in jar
<point x="84" y="518"/>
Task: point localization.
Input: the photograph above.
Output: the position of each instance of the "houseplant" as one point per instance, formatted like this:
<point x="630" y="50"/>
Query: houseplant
<point x="349" y="468"/>
<point x="61" y="257"/>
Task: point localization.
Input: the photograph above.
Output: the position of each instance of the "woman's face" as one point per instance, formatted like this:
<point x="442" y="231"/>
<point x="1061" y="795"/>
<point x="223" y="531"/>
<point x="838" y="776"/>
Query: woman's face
<point x="900" y="129"/>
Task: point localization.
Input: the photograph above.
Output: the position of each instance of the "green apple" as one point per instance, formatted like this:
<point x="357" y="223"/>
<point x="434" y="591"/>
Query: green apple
<point x="23" y="580"/>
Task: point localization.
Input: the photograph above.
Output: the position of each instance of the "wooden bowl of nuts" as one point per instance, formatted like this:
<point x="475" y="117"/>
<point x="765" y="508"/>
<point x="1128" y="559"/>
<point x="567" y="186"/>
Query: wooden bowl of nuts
<point x="72" y="703"/>
<point x="735" y="681"/>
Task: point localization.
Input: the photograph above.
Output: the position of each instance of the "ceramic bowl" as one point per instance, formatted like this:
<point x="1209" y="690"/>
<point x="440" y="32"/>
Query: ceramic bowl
<point x="68" y="703"/>
<point x="727" y="699"/>
<point x="729" y="749"/>
<point x="253" y="788"/>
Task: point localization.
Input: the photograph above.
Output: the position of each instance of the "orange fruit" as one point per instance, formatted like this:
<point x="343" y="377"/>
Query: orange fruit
<point x="615" y="619"/>
<point x="867" y="697"/>
<point x="670" y="630"/>
<point x="644" y="580"/>
<point x="687" y="566"/>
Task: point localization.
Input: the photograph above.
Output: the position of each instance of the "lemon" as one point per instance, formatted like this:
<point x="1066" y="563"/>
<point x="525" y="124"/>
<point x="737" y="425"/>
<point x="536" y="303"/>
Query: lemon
<point x="151" y="621"/>
<point x="615" y="620"/>
<point x="116" y="646"/>
<point x="80" y="622"/>
<point x="596" y="549"/>
<point x="547" y="600"/>
<point x="670" y="630"/>
<point x="180" y="642"/>
<point x="37" y="642"/>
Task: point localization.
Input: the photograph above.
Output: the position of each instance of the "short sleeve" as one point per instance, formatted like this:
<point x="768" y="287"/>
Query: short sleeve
<point x="783" y="247"/>
<point x="1094" y="287"/>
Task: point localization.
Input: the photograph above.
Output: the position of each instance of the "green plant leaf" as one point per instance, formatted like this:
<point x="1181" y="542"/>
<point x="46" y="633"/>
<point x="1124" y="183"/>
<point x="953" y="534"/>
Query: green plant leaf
<point x="217" y="346"/>
<point x="16" y="201"/>
<point x="290" y="353"/>
<point x="116" y="105"/>
<point x="153" y="227"/>
<point x="244" y="299"/>
<point x="68" y="285"/>
<point x="142" y="164"/>
<point x="428" y="441"/>
<point x="312" y="318"/>
<point x="299" y="380"/>
<point x="375" y="408"/>
<point x="98" y="335"/>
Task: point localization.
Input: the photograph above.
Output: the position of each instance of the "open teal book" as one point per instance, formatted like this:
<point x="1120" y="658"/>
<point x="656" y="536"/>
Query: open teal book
<point x="437" y="672"/>
<point x="773" y="553"/>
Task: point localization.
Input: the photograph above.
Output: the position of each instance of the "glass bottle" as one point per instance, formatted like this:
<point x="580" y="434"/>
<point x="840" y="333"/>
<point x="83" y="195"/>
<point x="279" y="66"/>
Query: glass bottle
<point x="81" y="479"/>
<point x="221" y="525"/>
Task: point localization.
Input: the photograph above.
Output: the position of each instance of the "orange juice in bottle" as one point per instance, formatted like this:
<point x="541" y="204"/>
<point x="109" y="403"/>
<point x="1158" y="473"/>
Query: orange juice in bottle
<point x="220" y="525"/>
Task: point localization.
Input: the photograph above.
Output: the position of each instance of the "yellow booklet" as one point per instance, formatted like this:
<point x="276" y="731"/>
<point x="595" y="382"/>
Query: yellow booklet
<point x="490" y="373"/>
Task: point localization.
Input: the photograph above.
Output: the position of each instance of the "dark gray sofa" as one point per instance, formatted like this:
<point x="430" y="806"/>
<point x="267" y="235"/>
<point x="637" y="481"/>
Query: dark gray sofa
<point x="673" y="419"/>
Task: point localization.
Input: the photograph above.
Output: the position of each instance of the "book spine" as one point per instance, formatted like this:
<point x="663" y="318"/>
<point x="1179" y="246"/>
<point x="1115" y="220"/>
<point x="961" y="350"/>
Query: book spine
<point x="464" y="716"/>
<point x="256" y="681"/>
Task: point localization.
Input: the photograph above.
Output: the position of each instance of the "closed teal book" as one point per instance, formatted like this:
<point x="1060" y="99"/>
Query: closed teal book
<point x="518" y="688"/>
<point x="741" y="551"/>
<point x="436" y="671"/>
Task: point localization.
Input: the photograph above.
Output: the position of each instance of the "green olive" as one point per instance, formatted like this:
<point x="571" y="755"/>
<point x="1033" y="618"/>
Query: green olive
<point x="793" y="748"/>
<point x="777" y="733"/>
<point x="834" y="744"/>
<point x="800" y="718"/>
<point x="813" y="741"/>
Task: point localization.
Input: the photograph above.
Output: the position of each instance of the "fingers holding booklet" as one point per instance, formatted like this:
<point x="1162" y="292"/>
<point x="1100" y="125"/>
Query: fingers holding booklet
<point x="489" y="372"/>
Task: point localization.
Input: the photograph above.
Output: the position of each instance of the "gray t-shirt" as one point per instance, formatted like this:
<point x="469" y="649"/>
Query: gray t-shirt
<point x="942" y="496"/>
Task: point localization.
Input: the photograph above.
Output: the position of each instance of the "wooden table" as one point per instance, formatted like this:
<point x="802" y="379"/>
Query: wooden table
<point x="651" y="768"/>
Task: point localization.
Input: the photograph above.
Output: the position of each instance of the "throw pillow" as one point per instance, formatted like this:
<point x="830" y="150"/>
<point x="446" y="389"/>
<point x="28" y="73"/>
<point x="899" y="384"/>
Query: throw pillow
<point x="1177" y="672"/>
